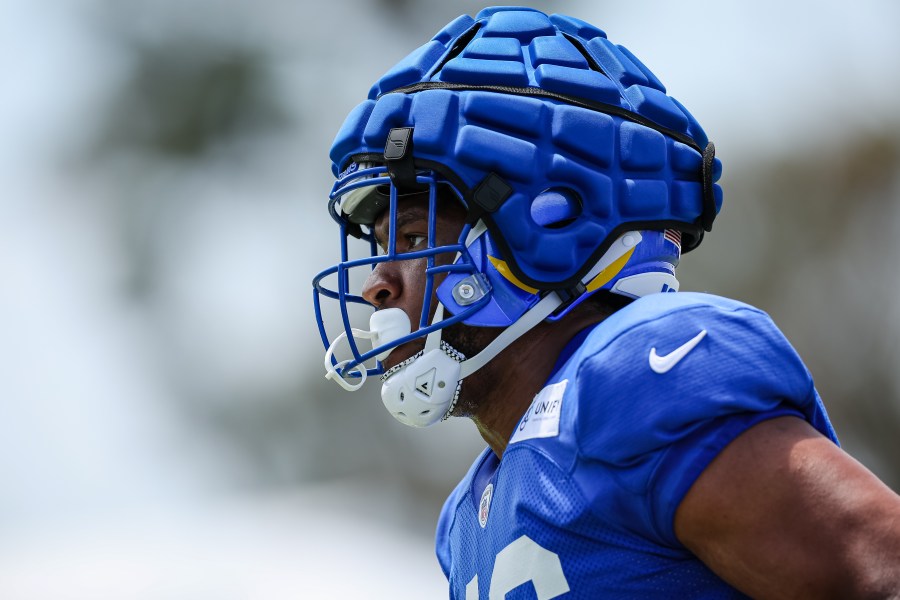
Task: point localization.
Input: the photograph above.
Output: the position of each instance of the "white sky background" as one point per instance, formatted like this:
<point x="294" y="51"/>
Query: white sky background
<point x="109" y="490"/>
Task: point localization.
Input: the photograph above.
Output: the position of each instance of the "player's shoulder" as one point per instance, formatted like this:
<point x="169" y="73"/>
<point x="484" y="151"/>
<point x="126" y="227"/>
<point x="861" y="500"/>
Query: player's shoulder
<point x="689" y="300"/>
<point x="663" y="319"/>
<point x="670" y="361"/>
<point x="676" y="310"/>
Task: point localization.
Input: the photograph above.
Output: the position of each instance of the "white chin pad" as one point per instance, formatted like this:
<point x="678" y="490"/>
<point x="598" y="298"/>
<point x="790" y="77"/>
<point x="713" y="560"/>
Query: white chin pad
<point x="386" y="326"/>
<point x="420" y="393"/>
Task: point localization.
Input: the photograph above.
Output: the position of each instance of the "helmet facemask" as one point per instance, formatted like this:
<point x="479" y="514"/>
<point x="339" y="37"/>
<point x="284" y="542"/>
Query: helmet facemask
<point x="422" y="388"/>
<point x="359" y="197"/>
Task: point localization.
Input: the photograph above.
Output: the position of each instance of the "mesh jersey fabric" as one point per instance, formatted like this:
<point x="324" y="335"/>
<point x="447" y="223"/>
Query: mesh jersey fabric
<point x="599" y="492"/>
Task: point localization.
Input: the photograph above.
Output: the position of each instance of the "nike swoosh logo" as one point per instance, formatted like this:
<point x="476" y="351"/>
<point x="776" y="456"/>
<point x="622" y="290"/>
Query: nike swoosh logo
<point x="663" y="364"/>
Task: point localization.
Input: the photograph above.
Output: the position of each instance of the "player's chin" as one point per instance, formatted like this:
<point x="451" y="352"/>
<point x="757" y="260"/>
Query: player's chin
<point x="401" y="353"/>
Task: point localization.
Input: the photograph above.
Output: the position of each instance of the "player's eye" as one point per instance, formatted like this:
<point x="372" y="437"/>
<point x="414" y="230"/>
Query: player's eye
<point x="416" y="240"/>
<point x="413" y="241"/>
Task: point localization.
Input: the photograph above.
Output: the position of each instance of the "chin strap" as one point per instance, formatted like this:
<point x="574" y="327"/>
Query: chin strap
<point x="423" y="389"/>
<point x="540" y="311"/>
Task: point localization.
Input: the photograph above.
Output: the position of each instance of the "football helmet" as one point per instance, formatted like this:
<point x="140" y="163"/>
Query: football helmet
<point x="576" y="171"/>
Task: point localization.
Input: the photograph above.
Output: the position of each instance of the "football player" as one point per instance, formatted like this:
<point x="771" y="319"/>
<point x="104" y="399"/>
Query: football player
<point x="522" y="189"/>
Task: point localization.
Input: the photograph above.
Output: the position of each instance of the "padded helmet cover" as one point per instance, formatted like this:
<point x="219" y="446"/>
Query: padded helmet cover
<point x="545" y="103"/>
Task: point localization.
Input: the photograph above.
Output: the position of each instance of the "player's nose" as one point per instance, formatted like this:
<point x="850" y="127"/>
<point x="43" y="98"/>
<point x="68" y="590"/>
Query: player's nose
<point x="382" y="286"/>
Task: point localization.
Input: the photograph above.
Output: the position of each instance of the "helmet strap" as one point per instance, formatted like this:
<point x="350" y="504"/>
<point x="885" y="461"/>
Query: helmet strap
<point x="536" y="314"/>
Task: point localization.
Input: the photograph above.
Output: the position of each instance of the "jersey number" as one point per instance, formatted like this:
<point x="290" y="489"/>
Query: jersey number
<point x="521" y="561"/>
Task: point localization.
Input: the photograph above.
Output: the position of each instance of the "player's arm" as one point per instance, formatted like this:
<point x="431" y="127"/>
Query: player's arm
<point x="782" y="512"/>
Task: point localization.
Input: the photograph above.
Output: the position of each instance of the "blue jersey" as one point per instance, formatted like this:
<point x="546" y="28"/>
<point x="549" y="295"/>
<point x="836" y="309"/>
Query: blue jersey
<point x="582" y="504"/>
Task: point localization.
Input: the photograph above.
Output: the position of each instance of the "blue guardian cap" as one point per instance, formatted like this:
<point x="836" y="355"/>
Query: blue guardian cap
<point x="577" y="172"/>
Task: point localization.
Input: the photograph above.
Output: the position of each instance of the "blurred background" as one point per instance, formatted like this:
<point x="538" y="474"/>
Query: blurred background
<point x="165" y="427"/>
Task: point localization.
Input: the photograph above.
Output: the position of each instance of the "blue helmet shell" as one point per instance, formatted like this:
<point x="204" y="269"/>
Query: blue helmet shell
<point x="544" y="103"/>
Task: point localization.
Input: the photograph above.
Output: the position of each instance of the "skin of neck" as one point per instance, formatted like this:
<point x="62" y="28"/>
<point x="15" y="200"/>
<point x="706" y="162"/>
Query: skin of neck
<point x="506" y="386"/>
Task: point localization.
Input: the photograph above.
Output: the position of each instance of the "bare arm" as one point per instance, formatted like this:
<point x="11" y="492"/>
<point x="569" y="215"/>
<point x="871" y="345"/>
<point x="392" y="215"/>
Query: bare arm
<point x="784" y="513"/>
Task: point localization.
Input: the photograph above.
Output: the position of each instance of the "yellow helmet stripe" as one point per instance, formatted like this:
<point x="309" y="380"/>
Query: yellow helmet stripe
<point x="503" y="269"/>
<point x="597" y="282"/>
<point x="609" y="272"/>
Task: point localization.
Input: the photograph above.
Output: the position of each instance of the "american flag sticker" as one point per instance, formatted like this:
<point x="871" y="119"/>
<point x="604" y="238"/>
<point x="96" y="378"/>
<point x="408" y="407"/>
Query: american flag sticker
<point x="674" y="236"/>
